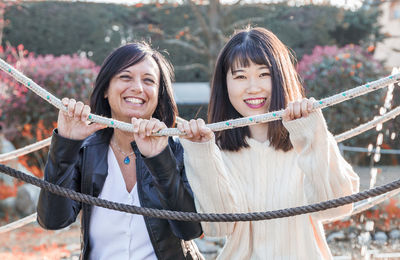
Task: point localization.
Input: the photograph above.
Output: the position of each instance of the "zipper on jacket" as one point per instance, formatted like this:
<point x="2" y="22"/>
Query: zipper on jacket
<point x="138" y="183"/>
<point x="85" y="217"/>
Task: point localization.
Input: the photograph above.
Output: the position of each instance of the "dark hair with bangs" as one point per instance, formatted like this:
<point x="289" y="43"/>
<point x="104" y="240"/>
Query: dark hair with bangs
<point x="124" y="57"/>
<point x="262" y="47"/>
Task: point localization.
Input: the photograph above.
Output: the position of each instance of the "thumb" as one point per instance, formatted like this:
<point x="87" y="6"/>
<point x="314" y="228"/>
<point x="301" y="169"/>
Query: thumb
<point x="95" y="127"/>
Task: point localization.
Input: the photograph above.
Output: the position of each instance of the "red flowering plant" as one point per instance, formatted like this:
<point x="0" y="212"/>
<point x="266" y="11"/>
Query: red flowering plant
<point x="330" y="70"/>
<point x="26" y="117"/>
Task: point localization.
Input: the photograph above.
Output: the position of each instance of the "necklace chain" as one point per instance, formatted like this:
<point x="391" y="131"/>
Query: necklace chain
<point x="119" y="149"/>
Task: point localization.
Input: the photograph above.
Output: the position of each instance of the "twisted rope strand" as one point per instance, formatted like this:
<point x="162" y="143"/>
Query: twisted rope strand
<point x="19" y="223"/>
<point x="25" y="150"/>
<point x="339" y="138"/>
<point x="197" y="217"/>
<point x="239" y="122"/>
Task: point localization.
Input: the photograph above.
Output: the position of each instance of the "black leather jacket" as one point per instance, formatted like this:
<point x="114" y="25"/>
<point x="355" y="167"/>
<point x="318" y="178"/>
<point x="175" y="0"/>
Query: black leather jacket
<point x="82" y="166"/>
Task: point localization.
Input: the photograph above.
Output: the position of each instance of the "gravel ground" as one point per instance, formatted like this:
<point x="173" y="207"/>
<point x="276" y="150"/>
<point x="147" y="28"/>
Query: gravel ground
<point x="32" y="242"/>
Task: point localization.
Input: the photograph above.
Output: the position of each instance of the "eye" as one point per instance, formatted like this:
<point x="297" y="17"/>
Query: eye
<point x="239" y="77"/>
<point x="265" y="74"/>
<point x="149" y="80"/>
<point x="125" y="77"/>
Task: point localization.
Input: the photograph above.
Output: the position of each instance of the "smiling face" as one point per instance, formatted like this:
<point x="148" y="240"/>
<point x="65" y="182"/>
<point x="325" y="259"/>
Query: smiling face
<point x="133" y="92"/>
<point x="249" y="88"/>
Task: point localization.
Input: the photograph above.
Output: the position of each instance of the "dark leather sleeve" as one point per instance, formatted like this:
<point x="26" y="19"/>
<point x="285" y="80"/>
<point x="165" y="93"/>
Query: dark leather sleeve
<point x="62" y="168"/>
<point x="173" y="188"/>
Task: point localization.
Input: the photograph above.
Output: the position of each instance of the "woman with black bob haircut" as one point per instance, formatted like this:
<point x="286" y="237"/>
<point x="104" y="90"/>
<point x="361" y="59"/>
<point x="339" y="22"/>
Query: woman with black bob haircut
<point x="268" y="166"/>
<point x="133" y="86"/>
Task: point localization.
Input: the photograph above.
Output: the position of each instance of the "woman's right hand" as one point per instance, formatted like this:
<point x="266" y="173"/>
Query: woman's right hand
<point x="73" y="123"/>
<point x="196" y="131"/>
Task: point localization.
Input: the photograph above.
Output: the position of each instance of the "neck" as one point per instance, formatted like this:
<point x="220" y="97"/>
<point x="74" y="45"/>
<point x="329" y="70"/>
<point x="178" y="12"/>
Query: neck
<point x="259" y="132"/>
<point x="123" y="140"/>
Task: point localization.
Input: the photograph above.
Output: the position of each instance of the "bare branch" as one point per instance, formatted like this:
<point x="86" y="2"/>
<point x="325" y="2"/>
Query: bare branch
<point x="246" y="21"/>
<point x="201" y="19"/>
<point x="186" y="45"/>
<point x="192" y="66"/>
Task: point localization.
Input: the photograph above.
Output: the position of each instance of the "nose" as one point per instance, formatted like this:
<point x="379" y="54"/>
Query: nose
<point x="137" y="85"/>
<point x="253" y="86"/>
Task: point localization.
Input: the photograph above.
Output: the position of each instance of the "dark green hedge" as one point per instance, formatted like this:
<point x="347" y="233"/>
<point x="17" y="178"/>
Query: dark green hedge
<point x="65" y="28"/>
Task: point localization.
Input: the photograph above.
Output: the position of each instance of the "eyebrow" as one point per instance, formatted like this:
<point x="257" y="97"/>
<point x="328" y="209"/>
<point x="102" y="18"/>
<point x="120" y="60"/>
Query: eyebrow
<point x="147" y="74"/>
<point x="240" y="70"/>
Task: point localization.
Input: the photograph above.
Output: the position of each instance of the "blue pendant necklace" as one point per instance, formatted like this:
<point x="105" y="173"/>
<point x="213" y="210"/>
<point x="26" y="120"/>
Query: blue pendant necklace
<point x="127" y="160"/>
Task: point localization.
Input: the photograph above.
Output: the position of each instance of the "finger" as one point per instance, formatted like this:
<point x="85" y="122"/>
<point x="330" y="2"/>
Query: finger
<point x="95" y="127"/>
<point x="135" y="124"/>
<point x="158" y="126"/>
<point x="310" y="106"/>
<point x="194" y="128"/>
<point x="71" y="107"/>
<point x="290" y="109"/>
<point x="78" y="110"/>
<point x="142" y="127"/>
<point x="65" y="102"/>
<point x="150" y="126"/>
<point x="187" y="129"/>
<point x="296" y="110"/>
<point x="85" y="113"/>
<point x="304" y="107"/>
<point x="286" y="114"/>
<point x="204" y="130"/>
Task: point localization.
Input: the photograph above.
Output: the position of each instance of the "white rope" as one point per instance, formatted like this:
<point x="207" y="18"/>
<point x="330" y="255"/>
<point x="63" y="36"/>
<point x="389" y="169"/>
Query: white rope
<point x="339" y="138"/>
<point x="268" y="117"/>
<point x="366" y="150"/>
<point x="25" y="150"/>
<point x="366" y="126"/>
<point x="366" y="204"/>
<point x="19" y="223"/>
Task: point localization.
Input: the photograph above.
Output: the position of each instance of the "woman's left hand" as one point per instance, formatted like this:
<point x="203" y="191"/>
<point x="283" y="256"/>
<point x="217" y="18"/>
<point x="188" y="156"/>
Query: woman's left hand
<point x="142" y="131"/>
<point x="298" y="109"/>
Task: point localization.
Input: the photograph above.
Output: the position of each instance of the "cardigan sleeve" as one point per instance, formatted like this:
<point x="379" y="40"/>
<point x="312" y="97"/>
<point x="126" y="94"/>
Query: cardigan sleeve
<point x="214" y="189"/>
<point x="326" y="174"/>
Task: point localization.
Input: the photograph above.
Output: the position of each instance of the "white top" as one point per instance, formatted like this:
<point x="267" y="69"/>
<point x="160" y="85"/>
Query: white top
<point x="260" y="178"/>
<point x="114" y="234"/>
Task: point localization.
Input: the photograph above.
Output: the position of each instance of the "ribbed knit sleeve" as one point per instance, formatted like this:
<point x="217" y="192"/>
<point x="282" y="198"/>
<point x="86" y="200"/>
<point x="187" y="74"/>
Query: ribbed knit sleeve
<point x="214" y="190"/>
<point x="326" y="174"/>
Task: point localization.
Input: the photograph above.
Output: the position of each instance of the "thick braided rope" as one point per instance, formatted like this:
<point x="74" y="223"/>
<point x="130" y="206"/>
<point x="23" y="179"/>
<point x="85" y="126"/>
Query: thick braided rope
<point x="339" y="138"/>
<point x="205" y="217"/>
<point x="240" y="122"/>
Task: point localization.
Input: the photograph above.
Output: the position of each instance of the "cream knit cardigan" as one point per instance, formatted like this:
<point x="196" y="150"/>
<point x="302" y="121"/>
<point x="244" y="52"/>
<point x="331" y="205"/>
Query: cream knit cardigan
<point x="260" y="178"/>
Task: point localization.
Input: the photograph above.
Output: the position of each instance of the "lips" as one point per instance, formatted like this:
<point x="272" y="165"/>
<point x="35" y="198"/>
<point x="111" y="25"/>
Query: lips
<point x="255" y="102"/>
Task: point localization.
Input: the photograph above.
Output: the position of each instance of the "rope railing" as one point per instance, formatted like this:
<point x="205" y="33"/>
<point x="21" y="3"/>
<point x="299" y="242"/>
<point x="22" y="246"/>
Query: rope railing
<point x="200" y="217"/>
<point x="239" y="122"/>
<point x="25" y="150"/>
<point x="19" y="223"/>
<point x="339" y="138"/>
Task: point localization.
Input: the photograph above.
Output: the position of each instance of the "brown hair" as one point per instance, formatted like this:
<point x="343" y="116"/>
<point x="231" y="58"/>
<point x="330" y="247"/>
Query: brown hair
<point x="259" y="46"/>
<point x="124" y="57"/>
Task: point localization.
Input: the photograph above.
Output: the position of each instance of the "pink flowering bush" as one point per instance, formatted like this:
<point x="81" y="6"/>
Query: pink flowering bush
<point x="330" y="70"/>
<point x="63" y="76"/>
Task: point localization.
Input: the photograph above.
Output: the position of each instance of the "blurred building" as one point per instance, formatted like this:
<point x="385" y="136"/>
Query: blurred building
<point x="192" y="99"/>
<point x="389" y="50"/>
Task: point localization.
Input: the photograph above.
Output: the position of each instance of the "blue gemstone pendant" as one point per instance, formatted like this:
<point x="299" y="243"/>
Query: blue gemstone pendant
<point x="127" y="160"/>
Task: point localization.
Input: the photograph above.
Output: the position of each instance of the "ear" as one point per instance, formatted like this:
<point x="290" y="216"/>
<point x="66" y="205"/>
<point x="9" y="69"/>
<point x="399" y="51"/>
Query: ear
<point x="106" y="94"/>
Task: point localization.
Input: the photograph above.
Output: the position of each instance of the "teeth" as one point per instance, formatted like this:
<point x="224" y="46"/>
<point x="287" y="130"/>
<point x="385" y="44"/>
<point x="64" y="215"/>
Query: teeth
<point x="134" y="100"/>
<point x="255" y="101"/>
